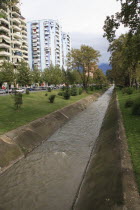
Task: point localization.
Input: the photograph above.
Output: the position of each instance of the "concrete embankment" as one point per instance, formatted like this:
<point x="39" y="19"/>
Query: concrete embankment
<point x="109" y="182"/>
<point x="18" y="143"/>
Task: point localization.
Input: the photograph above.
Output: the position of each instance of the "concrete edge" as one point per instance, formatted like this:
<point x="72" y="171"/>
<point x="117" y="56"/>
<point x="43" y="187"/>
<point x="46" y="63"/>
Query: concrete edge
<point x="16" y="144"/>
<point x="130" y="189"/>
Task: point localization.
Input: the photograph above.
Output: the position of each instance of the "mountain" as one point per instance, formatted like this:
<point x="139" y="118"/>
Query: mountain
<point x="104" y="67"/>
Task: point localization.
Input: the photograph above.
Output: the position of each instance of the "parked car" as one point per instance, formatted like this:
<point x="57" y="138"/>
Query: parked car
<point x="8" y="90"/>
<point x="20" y="90"/>
<point x="2" y="91"/>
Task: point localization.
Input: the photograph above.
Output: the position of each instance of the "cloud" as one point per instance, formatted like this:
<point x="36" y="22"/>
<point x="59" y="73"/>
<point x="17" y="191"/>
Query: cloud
<point x="94" y="40"/>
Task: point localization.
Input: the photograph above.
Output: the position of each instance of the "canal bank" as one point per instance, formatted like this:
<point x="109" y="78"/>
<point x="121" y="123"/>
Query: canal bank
<point x="109" y="182"/>
<point x="16" y="144"/>
<point x="49" y="177"/>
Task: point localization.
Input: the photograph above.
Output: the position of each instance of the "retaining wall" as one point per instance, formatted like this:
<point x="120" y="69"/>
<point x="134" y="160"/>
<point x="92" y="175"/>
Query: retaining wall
<point x="17" y="143"/>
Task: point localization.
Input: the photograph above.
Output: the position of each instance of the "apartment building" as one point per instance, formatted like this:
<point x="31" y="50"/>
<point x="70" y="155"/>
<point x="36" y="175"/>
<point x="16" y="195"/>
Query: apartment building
<point x="45" y="41"/>
<point x="66" y="48"/>
<point x="13" y="35"/>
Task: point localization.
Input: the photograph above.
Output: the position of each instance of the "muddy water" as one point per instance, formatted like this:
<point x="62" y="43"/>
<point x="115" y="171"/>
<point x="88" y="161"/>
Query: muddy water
<point x="49" y="177"/>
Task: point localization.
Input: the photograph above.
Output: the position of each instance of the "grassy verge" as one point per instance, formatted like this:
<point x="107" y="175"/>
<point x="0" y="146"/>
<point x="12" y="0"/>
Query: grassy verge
<point x="132" y="127"/>
<point x="35" y="105"/>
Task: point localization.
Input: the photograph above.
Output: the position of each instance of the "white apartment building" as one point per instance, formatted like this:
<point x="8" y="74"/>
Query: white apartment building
<point x="66" y="48"/>
<point x="46" y="44"/>
<point x="13" y="35"/>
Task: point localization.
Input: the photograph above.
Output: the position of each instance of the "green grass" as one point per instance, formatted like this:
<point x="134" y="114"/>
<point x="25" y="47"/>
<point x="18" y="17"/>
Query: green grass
<point x="35" y="105"/>
<point x="132" y="127"/>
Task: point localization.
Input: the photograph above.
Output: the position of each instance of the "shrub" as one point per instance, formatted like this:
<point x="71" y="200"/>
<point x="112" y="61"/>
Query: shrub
<point x="67" y="94"/>
<point x="60" y="93"/>
<point x="129" y="103"/>
<point x="128" y="90"/>
<point x="74" y="91"/>
<point x="80" y="91"/>
<point x="51" y="98"/>
<point x="46" y="94"/>
<point x="49" y="89"/>
<point x="27" y="92"/>
<point x="63" y="88"/>
<point x="18" y="100"/>
<point x="92" y="88"/>
<point x="136" y="107"/>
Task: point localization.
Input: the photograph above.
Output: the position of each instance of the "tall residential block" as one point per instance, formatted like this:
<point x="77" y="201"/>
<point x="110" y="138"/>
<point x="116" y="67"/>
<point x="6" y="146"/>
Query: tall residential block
<point x="47" y="44"/>
<point x="13" y="34"/>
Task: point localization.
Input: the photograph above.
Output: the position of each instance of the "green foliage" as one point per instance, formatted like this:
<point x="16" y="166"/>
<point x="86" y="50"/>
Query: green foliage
<point x="49" y="89"/>
<point x="129" y="103"/>
<point x="125" y="56"/>
<point x="83" y="60"/>
<point x="61" y="93"/>
<point x="132" y="129"/>
<point x="51" y="98"/>
<point x="7" y="73"/>
<point x="53" y="75"/>
<point x="99" y="77"/>
<point x="74" y="91"/>
<point x="27" y="92"/>
<point x="18" y="100"/>
<point x="46" y="94"/>
<point x="37" y="76"/>
<point x="67" y="93"/>
<point x="24" y="75"/>
<point x="80" y="91"/>
<point x="127" y="90"/>
<point x="128" y="16"/>
<point x="136" y="107"/>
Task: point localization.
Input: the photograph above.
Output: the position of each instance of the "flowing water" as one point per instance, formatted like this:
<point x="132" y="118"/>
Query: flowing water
<point x="50" y="176"/>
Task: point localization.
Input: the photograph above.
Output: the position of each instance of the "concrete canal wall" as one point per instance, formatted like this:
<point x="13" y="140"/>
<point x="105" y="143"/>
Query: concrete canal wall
<point x="17" y="143"/>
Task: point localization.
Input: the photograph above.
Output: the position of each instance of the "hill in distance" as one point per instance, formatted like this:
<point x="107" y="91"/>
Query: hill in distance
<point x="104" y="67"/>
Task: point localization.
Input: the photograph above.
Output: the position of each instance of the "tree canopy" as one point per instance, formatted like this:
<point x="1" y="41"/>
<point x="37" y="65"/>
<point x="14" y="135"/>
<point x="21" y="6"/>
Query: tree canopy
<point x="83" y="60"/>
<point x="128" y="16"/>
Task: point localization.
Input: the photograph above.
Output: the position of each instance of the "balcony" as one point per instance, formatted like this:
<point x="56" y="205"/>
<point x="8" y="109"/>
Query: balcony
<point x="24" y="37"/>
<point x="4" y="45"/>
<point x="5" y="37"/>
<point x="16" y="20"/>
<point x="4" y="53"/>
<point x="25" y="57"/>
<point x="24" y="47"/>
<point x="15" y="14"/>
<point x="24" y="52"/>
<point x="2" y="28"/>
<point x="4" y="20"/>
<point x="16" y="28"/>
<point x="17" y="35"/>
<point x="16" y="41"/>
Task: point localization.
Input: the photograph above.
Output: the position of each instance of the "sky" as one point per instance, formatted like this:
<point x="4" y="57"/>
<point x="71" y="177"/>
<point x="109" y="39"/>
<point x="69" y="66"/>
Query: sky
<point x="83" y="19"/>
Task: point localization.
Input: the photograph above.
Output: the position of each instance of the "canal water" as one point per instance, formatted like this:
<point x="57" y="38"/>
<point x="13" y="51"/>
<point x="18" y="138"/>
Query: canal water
<point x="50" y="176"/>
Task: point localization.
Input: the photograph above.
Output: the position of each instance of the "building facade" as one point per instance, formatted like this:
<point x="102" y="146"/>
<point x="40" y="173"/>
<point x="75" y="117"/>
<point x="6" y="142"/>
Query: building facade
<point x="13" y="35"/>
<point x="46" y="44"/>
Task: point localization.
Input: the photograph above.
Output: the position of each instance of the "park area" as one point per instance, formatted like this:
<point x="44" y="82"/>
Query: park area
<point x="131" y="119"/>
<point x="35" y="105"/>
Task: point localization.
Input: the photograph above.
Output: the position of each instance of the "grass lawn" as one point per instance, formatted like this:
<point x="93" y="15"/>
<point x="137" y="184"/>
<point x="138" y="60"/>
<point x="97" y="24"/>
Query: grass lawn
<point x="35" y="105"/>
<point x="132" y="127"/>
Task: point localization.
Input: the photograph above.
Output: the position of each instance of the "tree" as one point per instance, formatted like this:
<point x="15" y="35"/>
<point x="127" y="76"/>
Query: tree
<point x="128" y="16"/>
<point x="9" y="2"/>
<point x="24" y="76"/>
<point x="124" y="60"/>
<point x="7" y="73"/>
<point x="99" y="78"/>
<point x="125" y="53"/>
<point x="82" y="60"/>
<point x="37" y="76"/>
<point x="72" y="77"/>
<point x="53" y="75"/>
